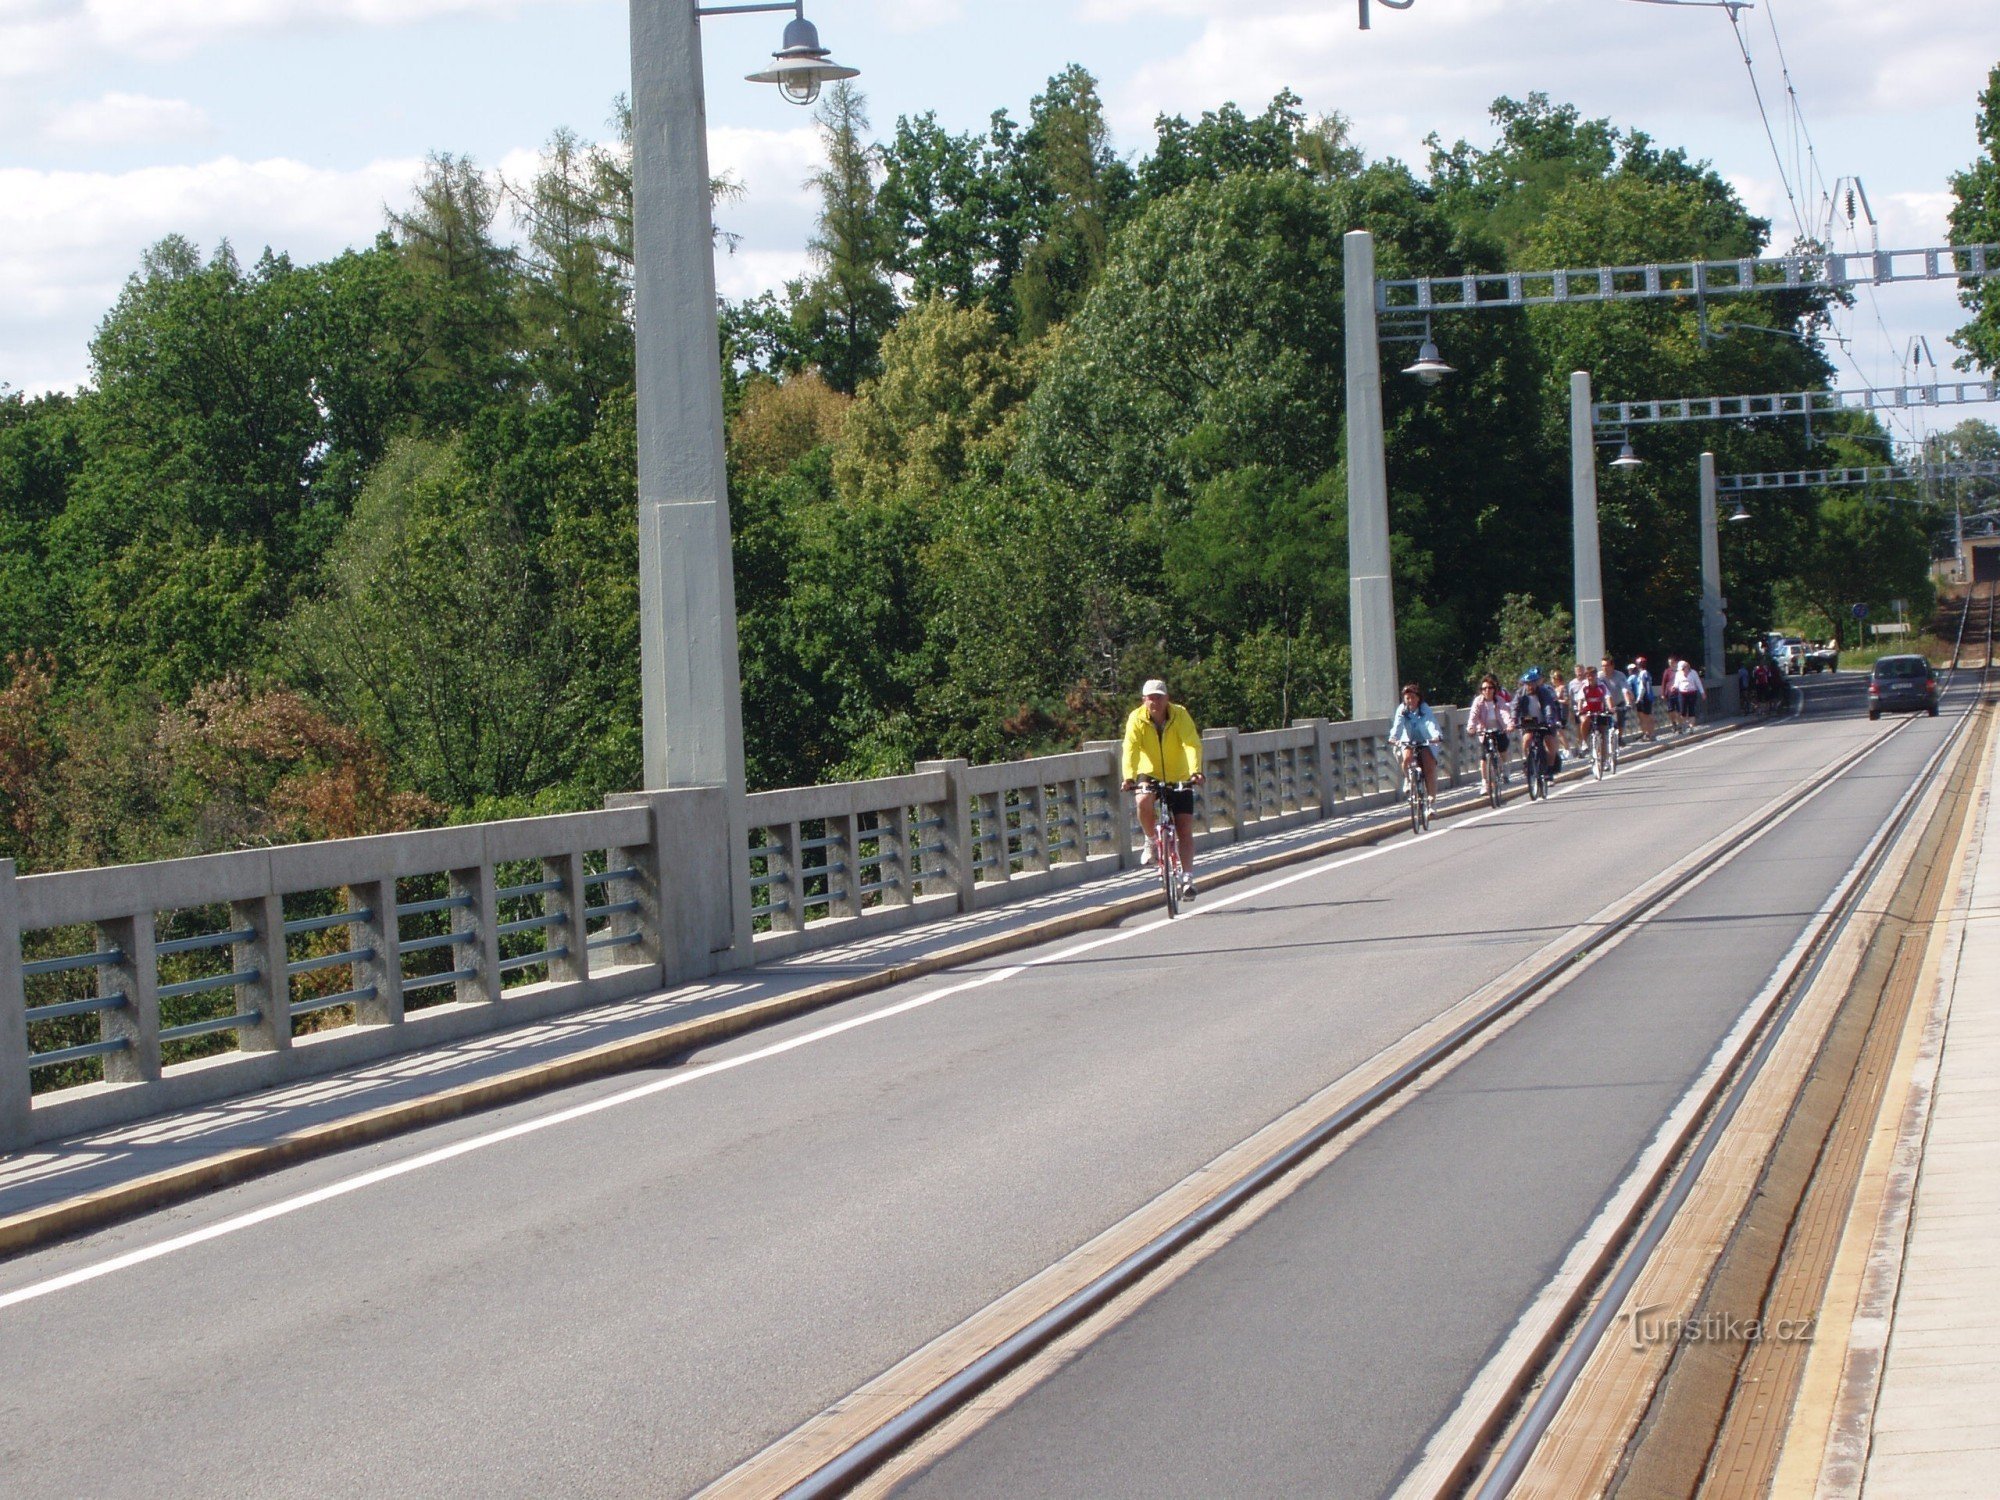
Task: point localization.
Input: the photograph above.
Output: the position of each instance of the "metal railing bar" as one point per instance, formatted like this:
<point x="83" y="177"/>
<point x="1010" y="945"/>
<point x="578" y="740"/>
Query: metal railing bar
<point x="618" y="941"/>
<point x="213" y="982"/>
<point x="330" y="961"/>
<point x="612" y="909"/>
<point x="301" y="925"/>
<point x="540" y="887"/>
<point x="529" y="960"/>
<point x="75" y="1008"/>
<point x="442" y="940"/>
<point x="630" y="872"/>
<point x="443" y="903"/>
<point x="432" y="981"/>
<point x="78" y="1054"/>
<point x="531" y="924"/>
<point x="206" y="940"/>
<point x="345" y="997"/>
<point x="205" y="1028"/>
<point x="104" y="960"/>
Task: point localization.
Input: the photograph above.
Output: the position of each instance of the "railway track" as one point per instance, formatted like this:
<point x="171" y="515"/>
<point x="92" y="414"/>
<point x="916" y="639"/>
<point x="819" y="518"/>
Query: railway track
<point x="1522" y="1414"/>
<point x="876" y="1430"/>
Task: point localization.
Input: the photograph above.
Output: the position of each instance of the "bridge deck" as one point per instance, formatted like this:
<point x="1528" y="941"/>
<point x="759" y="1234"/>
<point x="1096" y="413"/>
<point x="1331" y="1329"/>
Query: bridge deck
<point x="632" y="1285"/>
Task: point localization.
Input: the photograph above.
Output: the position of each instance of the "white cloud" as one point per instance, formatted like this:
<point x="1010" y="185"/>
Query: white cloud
<point x="1437" y="66"/>
<point x="40" y="37"/>
<point x="125" y="120"/>
<point x="919" y="15"/>
<point x="68" y="240"/>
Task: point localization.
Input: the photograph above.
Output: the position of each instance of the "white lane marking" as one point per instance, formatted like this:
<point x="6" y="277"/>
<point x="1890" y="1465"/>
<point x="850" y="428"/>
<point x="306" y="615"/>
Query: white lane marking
<point x="442" y="1154"/>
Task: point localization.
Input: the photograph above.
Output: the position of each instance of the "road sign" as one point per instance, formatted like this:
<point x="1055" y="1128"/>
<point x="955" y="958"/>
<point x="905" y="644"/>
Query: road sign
<point x="1860" y="611"/>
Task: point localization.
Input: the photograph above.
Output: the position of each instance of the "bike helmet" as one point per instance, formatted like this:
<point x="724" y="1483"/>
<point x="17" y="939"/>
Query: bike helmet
<point x="1532" y="676"/>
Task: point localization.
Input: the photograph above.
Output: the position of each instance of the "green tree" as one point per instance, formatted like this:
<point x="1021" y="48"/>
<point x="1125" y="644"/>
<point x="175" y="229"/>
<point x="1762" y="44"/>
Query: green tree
<point x="940" y="409"/>
<point x="848" y="305"/>
<point x="1975" y="220"/>
<point x="438" y="634"/>
<point x="1073" y="189"/>
<point x="40" y="454"/>
<point x="1863" y="549"/>
<point x="1223" y="143"/>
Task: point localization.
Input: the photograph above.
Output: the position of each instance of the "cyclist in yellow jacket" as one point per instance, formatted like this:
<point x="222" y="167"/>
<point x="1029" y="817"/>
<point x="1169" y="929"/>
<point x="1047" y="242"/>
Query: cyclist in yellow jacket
<point x="1163" y="759"/>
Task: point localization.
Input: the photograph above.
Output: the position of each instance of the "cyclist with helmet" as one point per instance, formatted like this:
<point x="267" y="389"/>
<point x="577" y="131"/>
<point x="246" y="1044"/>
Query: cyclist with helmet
<point x="1538" y="716"/>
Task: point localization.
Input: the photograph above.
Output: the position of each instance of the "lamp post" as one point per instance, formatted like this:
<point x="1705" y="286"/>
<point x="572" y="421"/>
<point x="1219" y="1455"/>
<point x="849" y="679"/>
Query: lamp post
<point x="1583" y="520"/>
<point x="1712" y="617"/>
<point x="691" y="692"/>
<point x="1371" y="595"/>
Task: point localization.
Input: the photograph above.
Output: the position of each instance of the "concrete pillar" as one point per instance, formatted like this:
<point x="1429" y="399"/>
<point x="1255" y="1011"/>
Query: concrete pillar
<point x="573" y="931"/>
<point x="689" y="913"/>
<point x="1118" y="804"/>
<point x="1371" y="596"/>
<point x="691" y="691"/>
<point x="381" y="931"/>
<point x="478" y="921"/>
<point x="1712" y="617"/>
<point x="270" y="993"/>
<point x="136" y="976"/>
<point x="1583" y="512"/>
<point x="16" y="1083"/>
<point x="1321" y="752"/>
<point x="956" y="835"/>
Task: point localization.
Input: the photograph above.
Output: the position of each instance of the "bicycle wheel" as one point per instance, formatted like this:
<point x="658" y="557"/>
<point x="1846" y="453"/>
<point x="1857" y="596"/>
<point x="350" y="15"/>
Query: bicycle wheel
<point x="1413" y="793"/>
<point x="1493" y="779"/>
<point x="1170" y="871"/>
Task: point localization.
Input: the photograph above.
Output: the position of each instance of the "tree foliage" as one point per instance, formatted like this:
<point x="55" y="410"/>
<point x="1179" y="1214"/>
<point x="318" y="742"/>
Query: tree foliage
<point x="332" y="548"/>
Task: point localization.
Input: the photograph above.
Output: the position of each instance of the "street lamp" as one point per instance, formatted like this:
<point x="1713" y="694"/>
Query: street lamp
<point x="801" y="65"/>
<point x="1430" y="367"/>
<point x="1626" y="458"/>
<point x="691" y="690"/>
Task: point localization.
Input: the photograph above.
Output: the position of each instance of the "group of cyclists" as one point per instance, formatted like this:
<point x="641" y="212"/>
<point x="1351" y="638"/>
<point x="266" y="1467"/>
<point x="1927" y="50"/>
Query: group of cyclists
<point x="1163" y="758"/>
<point x="1553" y="719"/>
<point x="1587" y="713"/>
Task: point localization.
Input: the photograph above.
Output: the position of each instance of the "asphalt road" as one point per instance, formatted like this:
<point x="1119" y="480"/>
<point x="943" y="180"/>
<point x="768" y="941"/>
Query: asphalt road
<point x="629" y="1287"/>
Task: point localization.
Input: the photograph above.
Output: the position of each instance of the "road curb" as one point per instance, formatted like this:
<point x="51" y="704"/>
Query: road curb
<point x="36" y="1227"/>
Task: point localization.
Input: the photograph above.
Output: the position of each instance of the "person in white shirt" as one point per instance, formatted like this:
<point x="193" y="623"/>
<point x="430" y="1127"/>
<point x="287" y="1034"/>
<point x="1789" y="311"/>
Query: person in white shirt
<point x="1491" y="714"/>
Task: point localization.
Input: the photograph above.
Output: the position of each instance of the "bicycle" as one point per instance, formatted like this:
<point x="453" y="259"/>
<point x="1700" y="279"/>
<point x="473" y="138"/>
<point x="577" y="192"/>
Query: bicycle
<point x="1418" y="797"/>
<point x="1491" y="770"/>
<point x="1166" y="840"/>
<point x="1537" y="766"/>
<point x="1603" y="755"/>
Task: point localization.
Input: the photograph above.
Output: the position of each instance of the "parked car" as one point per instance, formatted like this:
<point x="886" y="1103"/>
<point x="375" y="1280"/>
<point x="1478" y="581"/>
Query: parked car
<point x="1902" y="685"/>
<point x="1822" y="659"/>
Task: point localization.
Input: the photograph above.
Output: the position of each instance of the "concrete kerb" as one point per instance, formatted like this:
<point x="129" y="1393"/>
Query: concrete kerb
<point x="41" y="1226"/>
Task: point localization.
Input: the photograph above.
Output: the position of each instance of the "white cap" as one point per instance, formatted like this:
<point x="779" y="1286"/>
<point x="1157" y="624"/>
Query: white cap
<point x="1153" y="685"/>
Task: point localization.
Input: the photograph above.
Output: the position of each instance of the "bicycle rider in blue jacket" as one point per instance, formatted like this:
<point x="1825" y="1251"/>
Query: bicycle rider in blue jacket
<point x="1415" y="732"/>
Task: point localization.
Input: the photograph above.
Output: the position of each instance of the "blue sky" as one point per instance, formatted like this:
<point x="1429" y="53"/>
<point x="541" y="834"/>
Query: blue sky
<point x="293" y="122"/>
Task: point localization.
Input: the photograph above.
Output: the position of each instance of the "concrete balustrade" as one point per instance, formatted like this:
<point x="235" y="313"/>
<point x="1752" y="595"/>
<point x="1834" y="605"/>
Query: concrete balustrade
<point x="305" y="959"/>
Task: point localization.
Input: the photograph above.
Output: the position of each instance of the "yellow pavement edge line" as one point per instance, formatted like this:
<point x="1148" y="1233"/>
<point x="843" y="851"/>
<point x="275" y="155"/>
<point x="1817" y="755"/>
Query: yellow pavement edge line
<point x="39" y="1226"/>
<point x="1825" y="1449"/>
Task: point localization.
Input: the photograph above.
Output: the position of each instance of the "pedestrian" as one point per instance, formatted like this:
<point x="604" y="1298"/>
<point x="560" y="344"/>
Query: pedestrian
<point x="1639" y="678"/>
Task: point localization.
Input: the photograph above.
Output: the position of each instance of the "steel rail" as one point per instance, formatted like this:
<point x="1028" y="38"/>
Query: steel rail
<point x="1652" y="1216"/>
<point x="899" y="1432"/>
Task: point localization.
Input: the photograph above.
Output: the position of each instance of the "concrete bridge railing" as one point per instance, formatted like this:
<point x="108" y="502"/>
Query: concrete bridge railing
<point x="134" y="990"/>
